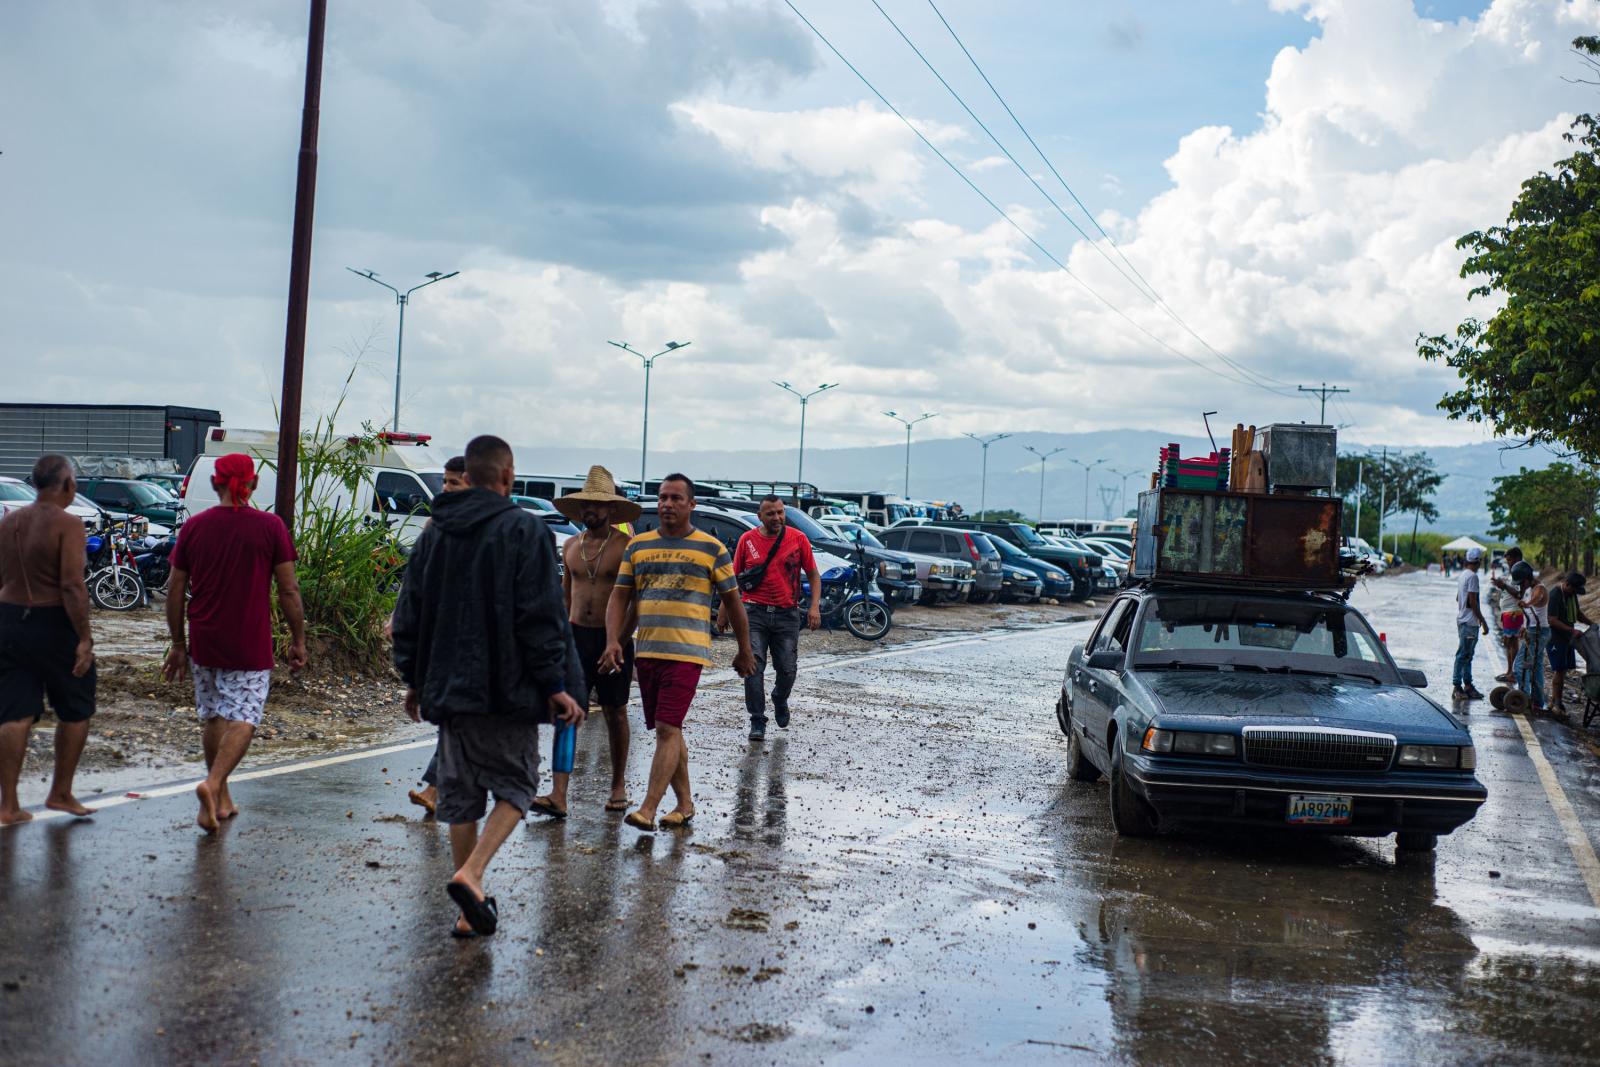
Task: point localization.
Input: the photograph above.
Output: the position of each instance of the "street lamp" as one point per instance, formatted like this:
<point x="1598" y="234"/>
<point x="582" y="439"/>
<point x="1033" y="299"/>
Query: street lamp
<point x="805" y="398"/>
<point x="1124" y="475"/>
<point x="983" y="493"/>
<point x="399" y="341"/>
<point x="1044" y="457"/>
<point x="1087" y="467"/>
<point x="908" y="424"/>
<point x="649" y="361"/>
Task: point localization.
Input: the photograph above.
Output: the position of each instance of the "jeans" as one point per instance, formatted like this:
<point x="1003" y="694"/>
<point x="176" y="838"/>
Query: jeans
<point x="774" y="631"/>
<point x="1528" y="668"/>
<point x="1461" y="674"/>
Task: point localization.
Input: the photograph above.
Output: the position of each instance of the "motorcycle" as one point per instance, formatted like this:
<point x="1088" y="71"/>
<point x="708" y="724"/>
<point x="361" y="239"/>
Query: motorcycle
<point x="114" y="579"/>
<point x="849" y="597"/>
<point x="153" y="560"/>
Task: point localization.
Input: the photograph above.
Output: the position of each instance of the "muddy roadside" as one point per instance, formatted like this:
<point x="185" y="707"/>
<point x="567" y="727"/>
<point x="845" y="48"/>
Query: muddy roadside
<point x="145" y="728"/>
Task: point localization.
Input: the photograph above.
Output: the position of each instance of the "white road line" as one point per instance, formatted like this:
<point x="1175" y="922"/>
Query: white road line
<point x="102" y="802"/>
<point x="1577" y="839"/>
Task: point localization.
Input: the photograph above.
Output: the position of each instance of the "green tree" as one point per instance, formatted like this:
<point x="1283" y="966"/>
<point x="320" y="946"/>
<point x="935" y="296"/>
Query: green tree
<point x="1533" y="369"/>
<point x="1006" y="515"/>
<point x="1400" y="484"/>
<point x="1551" y="511"/>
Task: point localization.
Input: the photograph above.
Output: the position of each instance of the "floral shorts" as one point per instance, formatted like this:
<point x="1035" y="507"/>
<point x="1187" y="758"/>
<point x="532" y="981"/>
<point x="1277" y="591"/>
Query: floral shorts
<point x="238" y="696"/>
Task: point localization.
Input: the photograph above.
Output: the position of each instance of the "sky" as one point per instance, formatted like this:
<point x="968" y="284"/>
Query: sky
<point x="1279" y="184"/>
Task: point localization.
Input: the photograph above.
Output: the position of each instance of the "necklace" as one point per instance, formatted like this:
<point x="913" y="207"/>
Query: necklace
<point x="591" y="563"/>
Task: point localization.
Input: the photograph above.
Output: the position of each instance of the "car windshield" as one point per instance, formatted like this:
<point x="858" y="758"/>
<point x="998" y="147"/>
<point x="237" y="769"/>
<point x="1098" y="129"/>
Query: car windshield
<point x="1107" y="549"/>
<point x="1028" y="534"/>
<point x="1297" y="637"/>
<point x="853" y="530"/>
<point x="1007" y="550"/>
<point x="807" y="525"/>
<point x="148" y="494"/>
<point x="15" y="491"/>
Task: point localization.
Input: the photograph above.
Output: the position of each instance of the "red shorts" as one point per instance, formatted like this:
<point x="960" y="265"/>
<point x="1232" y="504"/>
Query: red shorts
<point x="666" y="689"/>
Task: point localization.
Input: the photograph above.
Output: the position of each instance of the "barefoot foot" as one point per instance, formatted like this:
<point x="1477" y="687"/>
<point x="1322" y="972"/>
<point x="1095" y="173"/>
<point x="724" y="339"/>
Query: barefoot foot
<point x="207" y="819"/>
<point x="69" y="804"/>
<point x="15" y="818"/>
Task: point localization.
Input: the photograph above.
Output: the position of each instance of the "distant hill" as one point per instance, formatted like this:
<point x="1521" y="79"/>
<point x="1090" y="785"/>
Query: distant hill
<point x="950" y="468"/>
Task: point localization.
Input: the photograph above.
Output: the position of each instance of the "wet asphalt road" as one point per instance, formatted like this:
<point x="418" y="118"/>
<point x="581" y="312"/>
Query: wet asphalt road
<point x="906" y="875"/>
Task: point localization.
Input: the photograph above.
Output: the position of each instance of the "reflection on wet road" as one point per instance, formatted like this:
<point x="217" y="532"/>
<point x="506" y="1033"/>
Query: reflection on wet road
<point x="906" y="874"/>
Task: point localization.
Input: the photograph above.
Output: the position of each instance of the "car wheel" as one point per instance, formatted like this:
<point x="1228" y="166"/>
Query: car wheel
<point x="1415" y="841"/>
<point x="1130" y="814"/>
<point x="1079" y="769"/>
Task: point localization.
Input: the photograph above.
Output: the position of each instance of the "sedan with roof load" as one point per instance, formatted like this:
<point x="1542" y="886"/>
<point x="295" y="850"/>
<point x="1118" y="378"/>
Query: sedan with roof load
<point x="1214" y="706"/>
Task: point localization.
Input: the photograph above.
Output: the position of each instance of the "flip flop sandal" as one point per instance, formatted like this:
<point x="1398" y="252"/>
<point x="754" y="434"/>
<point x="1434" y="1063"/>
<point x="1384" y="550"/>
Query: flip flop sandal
<point x="421" y="801"/>
<point x="546" y="806"/>
<point x="674" y="821"/>
<point x="618" y="805"/>
<point x="639" y="822"/>
<point x="463" y="935"/>
<point x="482" y="915"/>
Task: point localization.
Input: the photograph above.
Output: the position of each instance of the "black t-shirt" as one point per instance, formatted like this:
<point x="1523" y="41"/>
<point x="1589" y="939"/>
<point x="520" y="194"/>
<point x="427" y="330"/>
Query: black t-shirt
<point x="1558" y="610"/>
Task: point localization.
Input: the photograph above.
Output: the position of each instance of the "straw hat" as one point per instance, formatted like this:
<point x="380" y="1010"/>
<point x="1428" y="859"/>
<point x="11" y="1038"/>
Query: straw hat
<point x="598" y="488"/>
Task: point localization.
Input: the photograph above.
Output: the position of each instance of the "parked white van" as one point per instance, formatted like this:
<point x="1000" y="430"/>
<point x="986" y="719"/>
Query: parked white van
<point x="403" y="476"/>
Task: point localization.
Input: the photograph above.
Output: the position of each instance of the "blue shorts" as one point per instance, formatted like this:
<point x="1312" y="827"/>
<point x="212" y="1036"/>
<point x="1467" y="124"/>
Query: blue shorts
<point x="1562" y="657"/>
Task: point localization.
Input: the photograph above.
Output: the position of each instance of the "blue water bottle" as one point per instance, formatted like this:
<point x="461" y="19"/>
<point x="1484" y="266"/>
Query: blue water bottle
<point x="565" y="743"/>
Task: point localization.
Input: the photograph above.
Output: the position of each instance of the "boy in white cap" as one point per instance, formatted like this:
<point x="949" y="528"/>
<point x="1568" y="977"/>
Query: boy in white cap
<point x="1469" y="624"/>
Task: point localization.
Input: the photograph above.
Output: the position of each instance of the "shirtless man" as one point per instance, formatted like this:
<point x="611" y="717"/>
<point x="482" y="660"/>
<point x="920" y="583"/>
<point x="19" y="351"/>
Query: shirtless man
<point x="45" y="645"/>
<point x="589" y="572"/>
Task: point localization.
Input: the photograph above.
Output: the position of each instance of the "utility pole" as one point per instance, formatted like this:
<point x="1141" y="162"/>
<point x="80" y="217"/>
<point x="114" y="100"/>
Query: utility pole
<point x="1383" y="495"/>
<point x="805" y="398"/>
<point x="649" y="361"/>
<point x="983" y="493"/>
<point x="294" y="339"/>
<point x="1108" y="493"/>
<point x="1323" y="392"/>
<point x="400" y="338"/>
<point x="1087" y="467"/>
<point x="908" y="424"/>
<point x="1360" y="468"/>
<point x="1044" y="457"/>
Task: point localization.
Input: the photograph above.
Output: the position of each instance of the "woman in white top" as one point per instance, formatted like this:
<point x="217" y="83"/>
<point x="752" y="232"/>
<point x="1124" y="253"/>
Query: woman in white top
<point x="1529" y="666"/>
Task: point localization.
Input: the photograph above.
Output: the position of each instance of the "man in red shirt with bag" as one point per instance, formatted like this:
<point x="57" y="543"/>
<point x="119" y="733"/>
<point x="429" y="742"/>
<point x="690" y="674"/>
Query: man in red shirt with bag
<point x="768" y="563"/>
<point x="228" y="557"/>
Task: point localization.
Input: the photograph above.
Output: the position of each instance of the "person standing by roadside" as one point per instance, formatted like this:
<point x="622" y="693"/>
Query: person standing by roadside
<point x="46" y="648"/>
<point x="1528" y="670"/>
<point x="455" y="479"/>
<point x="1505" y="606"/>
<point x="768" y="563"/>
<point x="589" y="573"/>
<point x="1469" y="623"/>
<point x="482" y="643"/>
<point x="225" y="563"/>
<point x="1564" y="615"/>
<point x="676" y="573"/>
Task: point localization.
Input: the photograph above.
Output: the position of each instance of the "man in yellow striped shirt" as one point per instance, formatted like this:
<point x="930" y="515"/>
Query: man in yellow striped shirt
<point x="675" y="575"/>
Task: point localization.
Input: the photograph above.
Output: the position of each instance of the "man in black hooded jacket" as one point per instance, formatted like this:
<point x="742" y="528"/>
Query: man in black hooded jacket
<point x="482" y="641"/>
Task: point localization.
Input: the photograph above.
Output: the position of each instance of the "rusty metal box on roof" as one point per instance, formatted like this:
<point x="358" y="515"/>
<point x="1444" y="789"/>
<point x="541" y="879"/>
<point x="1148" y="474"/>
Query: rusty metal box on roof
<point x="1273" y="539"/>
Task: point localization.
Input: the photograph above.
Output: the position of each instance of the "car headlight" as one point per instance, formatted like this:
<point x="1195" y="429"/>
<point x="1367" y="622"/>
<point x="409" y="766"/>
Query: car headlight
<point x="1446" y="757"/>
<point x="1189" y="743"/>
<point x="888" y="570"/>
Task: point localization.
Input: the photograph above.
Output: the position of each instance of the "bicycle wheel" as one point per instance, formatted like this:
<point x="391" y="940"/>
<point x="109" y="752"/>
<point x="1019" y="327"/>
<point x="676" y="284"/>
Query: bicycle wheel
<point x="117" y="589"/>
<point x="867" y="619"/>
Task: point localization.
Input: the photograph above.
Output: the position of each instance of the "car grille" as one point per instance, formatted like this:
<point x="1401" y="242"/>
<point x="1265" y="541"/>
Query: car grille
<point x="1317" y="748"/>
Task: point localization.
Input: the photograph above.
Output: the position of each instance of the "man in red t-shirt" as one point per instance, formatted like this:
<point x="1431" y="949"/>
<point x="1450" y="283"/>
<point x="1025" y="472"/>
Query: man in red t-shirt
<point x="773" y="607"/>
<point x="231" y="555"/>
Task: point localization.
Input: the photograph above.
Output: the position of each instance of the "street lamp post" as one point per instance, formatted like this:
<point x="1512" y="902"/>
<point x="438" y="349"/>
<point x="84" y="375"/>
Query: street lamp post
<point x="983" y="492"/>
<point x="805" y="398"/>
<point x="400" y="337"/>
<point x="1087" y="467"/>
<point x="908" y="424"/>
<point x="649" y="361"/>
<point x="1124" y="475"/>
<point x="1044" y="457"/>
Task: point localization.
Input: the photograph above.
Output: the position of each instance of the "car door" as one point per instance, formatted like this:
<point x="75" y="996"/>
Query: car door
<point x="1097" y="690"/>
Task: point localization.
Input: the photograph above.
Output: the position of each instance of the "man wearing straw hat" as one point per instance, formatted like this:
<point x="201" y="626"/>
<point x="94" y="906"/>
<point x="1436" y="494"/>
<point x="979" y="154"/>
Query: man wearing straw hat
<point x="589" y="565"/>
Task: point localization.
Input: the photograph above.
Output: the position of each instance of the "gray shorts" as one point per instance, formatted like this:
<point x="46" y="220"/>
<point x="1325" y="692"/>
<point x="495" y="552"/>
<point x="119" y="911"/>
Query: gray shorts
<point x="479" y="755"/>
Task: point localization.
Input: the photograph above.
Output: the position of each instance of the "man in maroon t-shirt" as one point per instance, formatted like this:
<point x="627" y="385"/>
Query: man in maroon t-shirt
<point x="773" y="607"/>
<point x="230" y="555"/>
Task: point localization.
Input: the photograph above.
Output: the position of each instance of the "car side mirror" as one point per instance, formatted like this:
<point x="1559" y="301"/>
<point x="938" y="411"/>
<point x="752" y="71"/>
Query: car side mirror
<point x="1105" y="659"/>
<point x="1414" y="678"/>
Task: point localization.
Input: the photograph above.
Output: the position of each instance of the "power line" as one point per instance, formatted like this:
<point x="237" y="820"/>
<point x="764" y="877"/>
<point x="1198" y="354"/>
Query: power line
<point x="1013" y="222"/>
<point x="1322" y="393"/>
<point x="1154" y="295"/>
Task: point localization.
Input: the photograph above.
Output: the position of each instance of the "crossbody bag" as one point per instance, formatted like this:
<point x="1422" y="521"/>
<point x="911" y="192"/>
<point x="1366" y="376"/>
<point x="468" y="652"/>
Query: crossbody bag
<point x="749" y="580"/>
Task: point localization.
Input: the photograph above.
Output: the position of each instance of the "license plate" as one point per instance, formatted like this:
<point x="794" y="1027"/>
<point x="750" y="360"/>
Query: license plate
<point x="1319" y="810"/>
